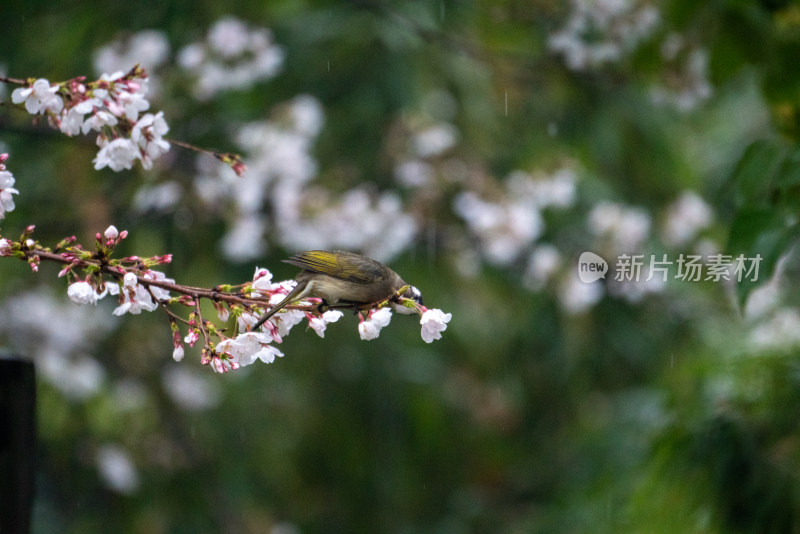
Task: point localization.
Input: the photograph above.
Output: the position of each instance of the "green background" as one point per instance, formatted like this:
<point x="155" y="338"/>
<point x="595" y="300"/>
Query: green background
<point x="648" y="415"/>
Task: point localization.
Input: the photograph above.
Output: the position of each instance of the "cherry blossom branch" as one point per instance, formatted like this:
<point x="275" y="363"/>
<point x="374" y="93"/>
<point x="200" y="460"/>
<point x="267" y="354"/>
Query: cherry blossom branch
<point x="17" y="81"/>
<point x="114" y="106"/>
<point x="141" y="288"/>
<point x="220" y="293"/>
<point x="110" y="106"/>
<point x="75" y="257"/>
<point x="233" y="160"/>
<point x="216" y="294"/>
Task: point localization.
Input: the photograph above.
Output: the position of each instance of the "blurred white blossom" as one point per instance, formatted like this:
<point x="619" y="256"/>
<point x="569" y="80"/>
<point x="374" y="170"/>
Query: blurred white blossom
<point x="624" y="228"/>
<point x="357" y="220"/>
<point x="636" y="290"/>
<point x="603" y="31"/>
<point x="439" y="104"/>
<point x="414" y="173"/>
<point x="687" y="216"/>
<point x="557" y="190"/>
<point x="765" y="298"/>
<point x="503" y="228"/>
<point x="507" y="225"/>
<point x="280" y="181"/>
<point x="148" y="48"/>
<point x="280" y="164"/>
<point x="284" y="527"/>
<point x="780" y="330"/>
<point x="58" y="336"/>
<point x="158" y="197"/>
<point x="543" y="264"/>
<point x="576" y="296"/>
<point x="190" y="389"/>
<point x="244" y="239"/>
<point x="685" y="80"/>
<point x="129" y="395"/>
<point x="117" y="469"/>
<point x="435" y="140"/>
<point x="233" y="56"/>
<point x="78" y="377"/>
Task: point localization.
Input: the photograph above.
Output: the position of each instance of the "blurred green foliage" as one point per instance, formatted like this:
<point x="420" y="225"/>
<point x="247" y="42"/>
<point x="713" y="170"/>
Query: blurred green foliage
<point x="649" y="415"/>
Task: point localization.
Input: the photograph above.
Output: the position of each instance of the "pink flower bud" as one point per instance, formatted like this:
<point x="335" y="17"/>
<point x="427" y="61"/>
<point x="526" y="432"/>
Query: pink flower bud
<point x="239" y="169"/>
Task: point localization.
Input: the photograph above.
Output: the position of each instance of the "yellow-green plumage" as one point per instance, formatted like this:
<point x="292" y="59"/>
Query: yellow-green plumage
<point x="342" y="265"/>
<point x="341" y="278"/>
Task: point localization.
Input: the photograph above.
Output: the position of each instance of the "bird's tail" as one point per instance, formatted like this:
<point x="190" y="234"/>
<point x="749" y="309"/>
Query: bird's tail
<point x="295" y="294"/>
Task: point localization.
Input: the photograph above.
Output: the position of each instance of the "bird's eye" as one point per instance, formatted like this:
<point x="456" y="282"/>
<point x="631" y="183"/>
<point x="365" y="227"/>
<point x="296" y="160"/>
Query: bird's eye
<point x="416" y="295"/>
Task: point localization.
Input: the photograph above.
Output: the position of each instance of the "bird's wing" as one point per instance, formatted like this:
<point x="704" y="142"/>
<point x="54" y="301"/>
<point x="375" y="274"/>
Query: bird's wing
<point x="343" y="265"/>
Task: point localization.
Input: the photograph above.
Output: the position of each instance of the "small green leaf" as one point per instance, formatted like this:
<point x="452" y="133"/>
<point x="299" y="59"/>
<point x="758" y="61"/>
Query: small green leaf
<point x="755" y="173"/>
<point x="788" y="175"/>
<point x="763" y="233"/>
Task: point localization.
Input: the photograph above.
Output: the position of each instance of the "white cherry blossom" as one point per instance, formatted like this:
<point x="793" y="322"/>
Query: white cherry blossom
<point x="434" y="322"/>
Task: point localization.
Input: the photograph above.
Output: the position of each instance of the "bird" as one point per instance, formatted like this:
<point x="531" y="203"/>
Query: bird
<point x="342" y="278"/>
